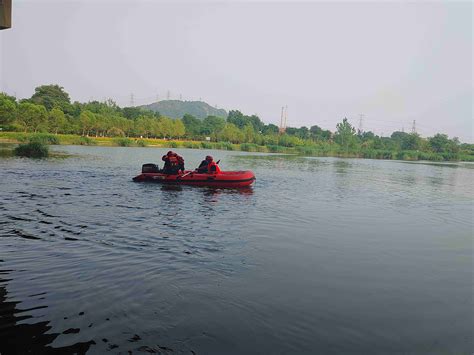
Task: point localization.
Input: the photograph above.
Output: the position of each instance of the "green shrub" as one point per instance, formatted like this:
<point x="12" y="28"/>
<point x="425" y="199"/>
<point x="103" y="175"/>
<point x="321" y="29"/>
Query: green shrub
<point x="228" y="146"/>
<point x="275" y="148"/>
<point x="466" y="157"/>
<point x="248" y="147"/>
<point x="141" y="143"/>
<point x="430" y="156"/>
<point x="122" y="142"/>
<point x="21" y="137"/>
<point x="32" y="150"/>
<point x="306" y="150"/>
<point x="191" y="145"/>
<point x="44" y="138"/>
<point x="206" y="145"/>
<point x="172" y="144"/>
<point x="82" y="140"/>
<point x="450" y="156"/>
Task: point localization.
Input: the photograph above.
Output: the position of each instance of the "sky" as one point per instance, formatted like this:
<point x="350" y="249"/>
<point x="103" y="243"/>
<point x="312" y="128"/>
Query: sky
<point x="380" y="64"/>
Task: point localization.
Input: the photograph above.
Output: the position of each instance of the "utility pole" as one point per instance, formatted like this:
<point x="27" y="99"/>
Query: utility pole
<point x="413" y="127"/>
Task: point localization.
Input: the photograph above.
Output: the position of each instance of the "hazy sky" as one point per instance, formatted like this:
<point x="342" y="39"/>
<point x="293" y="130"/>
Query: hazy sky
<point x="393" y="62"/>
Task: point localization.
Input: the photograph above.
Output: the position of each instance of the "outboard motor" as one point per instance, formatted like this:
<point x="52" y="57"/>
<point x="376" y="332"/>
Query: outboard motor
<point x="150" y="168"/>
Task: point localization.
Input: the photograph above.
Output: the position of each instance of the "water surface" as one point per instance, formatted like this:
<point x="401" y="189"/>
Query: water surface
<point x="323" y="255"/>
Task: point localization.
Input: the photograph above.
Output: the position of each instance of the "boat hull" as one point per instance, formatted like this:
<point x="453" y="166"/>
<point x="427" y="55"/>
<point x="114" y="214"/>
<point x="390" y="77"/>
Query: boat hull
<point x="224" y="179"/>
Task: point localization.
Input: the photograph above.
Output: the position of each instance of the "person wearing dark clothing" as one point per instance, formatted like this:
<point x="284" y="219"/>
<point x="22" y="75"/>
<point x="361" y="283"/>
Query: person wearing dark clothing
<point x="180" y="162"/>
<point x="173" y="163"/>
<point x="203" y="166"/>
<point x="208" y="166"/>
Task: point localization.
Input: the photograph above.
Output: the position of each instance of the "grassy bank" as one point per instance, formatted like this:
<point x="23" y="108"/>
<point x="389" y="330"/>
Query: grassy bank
<point x="326" y="150"/>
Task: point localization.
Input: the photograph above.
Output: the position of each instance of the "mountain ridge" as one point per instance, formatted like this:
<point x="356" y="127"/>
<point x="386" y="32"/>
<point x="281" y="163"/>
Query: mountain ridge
<point x="178" y="108"/>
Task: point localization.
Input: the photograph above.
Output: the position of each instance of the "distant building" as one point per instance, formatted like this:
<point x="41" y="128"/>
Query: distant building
<point x="5" y="14"/>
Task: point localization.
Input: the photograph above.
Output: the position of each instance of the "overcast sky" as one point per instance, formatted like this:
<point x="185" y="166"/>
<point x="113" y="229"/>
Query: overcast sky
<point x="391" y="62"/>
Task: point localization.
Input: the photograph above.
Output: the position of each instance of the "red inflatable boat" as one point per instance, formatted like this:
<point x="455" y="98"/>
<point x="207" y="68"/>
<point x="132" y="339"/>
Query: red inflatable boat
<point x="225" y="179"/>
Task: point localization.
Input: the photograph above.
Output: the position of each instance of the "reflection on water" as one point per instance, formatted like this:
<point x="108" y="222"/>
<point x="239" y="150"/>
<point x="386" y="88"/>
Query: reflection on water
<point x="322" y="255"/>
<point x="18" y="337"/>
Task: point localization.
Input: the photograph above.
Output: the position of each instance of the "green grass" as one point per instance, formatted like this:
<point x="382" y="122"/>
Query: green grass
<point x="122" y="142"/>
<point x="81" y="140"/>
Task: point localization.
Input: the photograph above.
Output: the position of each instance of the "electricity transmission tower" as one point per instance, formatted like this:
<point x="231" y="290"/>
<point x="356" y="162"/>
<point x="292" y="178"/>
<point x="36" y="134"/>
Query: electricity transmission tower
<point x="283" y="119"/>
<point x="413" y="127"/>
<point x="361" y="123"/>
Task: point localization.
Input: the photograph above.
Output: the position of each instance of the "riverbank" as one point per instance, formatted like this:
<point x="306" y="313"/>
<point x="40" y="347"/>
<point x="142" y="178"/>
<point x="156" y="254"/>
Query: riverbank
<point x="323" y="150"/>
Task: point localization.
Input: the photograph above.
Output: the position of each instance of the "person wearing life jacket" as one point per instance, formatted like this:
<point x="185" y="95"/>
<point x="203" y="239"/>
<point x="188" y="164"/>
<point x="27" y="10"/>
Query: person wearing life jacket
<point x="173" y="163"/>
<point x="208" y="166"/>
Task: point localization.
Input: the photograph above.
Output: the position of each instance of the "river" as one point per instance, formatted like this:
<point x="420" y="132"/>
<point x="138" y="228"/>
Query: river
<point x="321" y="256"/>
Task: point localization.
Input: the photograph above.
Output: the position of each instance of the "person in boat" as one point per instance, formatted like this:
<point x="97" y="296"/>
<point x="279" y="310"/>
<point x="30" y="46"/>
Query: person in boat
<point x="173" y="163"/>
<point x="208" y="166"/>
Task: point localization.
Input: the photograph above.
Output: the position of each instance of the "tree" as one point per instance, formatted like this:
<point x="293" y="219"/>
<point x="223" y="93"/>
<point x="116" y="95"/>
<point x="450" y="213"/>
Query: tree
<point x="256" y="123"/>
<point x="179" y="129"/>
<point x="236" y="118"/>
<point x="52" y="96"/>
<point x="319" y="134"/>
<point x="439" y="142"/>
<point x="406" y="141"/>
<point x="86" y="120"/>
<point x="31" y="116"/>
<point x="166" y="127"/>
<point x="411" y="141"/>
<point x="192" y="124"/>
<point x="249" y="133"/>
<point x="302" y="132"/>
<point x="56" y="120"/>
<point x="345" y="134"/>
<point x="270" y="129"/>
<point x="231" y="133"/>
<point x="212" y="124"/>
<point x="7" y="109"/>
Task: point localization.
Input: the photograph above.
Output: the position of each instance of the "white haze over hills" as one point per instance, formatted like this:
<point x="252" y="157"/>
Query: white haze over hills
<point x="392" y="62"/>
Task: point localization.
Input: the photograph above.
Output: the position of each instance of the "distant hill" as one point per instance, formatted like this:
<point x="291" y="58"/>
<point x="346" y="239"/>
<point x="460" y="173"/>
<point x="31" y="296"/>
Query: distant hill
<point x="177" y="109"/>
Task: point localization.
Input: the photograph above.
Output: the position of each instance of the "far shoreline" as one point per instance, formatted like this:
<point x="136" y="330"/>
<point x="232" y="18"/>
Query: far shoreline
<point x="307" y="151"/>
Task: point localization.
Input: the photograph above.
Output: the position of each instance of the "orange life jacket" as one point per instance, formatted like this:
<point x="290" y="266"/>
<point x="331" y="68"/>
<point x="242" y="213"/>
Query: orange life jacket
<point x="213" y="168"/>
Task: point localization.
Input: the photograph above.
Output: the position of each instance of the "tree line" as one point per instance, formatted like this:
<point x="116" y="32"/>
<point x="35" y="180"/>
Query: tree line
<point x="50" y="109"/>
